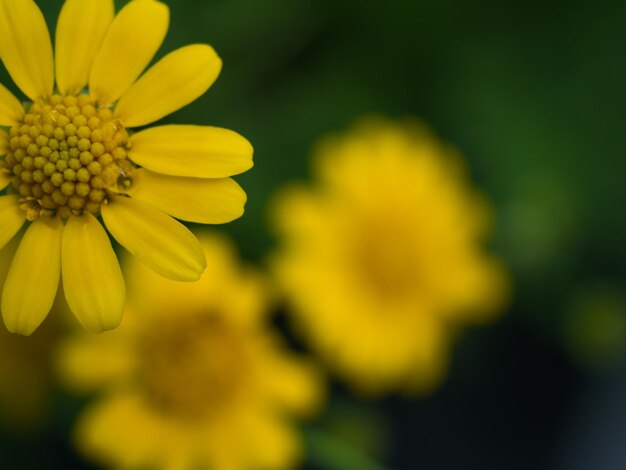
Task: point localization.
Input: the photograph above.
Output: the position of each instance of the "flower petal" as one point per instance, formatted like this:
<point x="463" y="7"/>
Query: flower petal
<point x="4" y="146"/>
<point x="33" y="278"/>
<point x="80" y="30"/>
<point x="11" y="110"/>
<point x="25" y="47"/>
<point x="280" y="447"/>
<point x="293" y="384"/>
<point x="198" y="151"/>
<point x="128" y="47"/>
<point x="160" y="242"/>
<point x="76" y="356"/>
<point x="175" y="81"/>
<point x="205" y="201"/>
<point x="102" y="430"/>
<point x="12" y="217"/>
<point x="92" y="279"/>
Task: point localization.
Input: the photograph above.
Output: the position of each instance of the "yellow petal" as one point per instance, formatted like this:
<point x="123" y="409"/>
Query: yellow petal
<point x="81" y="28"/>
<point x="198" y="151"/>
<point x="12" y="218"/>
<point x="123" y="431"/>
<point x="206" y="201"/>
<point x="4" y="146"/>
<point x="92" y="279"/>
<point x="11" y="110"/>
<point x="75" y="359"/>
<point x="33" y="278"/>
<point x="160" y="242"/>
<point x="280" y="445"/>
<point x="128" y="47"/>
<point x="293" y="384"/>
<point x="25" y="47"/>
<point x="175" y="81"/>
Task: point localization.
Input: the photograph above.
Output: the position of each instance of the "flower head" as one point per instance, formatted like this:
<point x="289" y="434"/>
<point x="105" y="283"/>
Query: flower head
<point x="194" y="377"/>
<point x="382" y="259"/>
<point x="70" y="158"/>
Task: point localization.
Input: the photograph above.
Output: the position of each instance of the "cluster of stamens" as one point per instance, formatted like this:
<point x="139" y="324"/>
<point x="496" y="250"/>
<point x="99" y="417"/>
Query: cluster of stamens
<point x="66" y="156"/>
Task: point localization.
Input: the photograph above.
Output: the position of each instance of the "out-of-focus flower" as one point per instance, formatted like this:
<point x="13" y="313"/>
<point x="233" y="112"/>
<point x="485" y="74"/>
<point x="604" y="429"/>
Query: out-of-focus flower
<point x="69" y="157"/>
<point x="194" y="378"/>
<point x="382" y="259"/>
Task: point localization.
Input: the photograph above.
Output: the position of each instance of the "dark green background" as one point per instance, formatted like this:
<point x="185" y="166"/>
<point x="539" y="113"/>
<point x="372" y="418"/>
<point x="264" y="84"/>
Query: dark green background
<point x="533" y="94"/>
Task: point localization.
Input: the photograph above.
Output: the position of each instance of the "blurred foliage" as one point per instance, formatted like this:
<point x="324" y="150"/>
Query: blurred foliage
<point x="531" y="92"/>
<point x="595" y="331"/>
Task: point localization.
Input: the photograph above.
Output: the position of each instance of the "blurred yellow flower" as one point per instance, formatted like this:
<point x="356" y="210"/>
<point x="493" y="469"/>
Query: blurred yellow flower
<point x="382" y="259"/>
<point x="194" y="378"/>
<point x="69" y="157"/>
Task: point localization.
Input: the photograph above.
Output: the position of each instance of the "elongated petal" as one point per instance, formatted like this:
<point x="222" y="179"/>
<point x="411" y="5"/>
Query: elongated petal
<point x="11" y="110"/>
<point x="92" y="279"/>
<point x="128" y="47"/>
<point x="160" y="242"/>
<point x="33" y="278"/>
<point x="175" y="81"/>
<point x="80" y="31"/>
<point x="206" y="201"/>
<point x="197" y="151"/>
<point x="76" y="356"/>
<point x="11" y="218"/>
<point x="25" y="47"/>
<point x="4" y="146"/>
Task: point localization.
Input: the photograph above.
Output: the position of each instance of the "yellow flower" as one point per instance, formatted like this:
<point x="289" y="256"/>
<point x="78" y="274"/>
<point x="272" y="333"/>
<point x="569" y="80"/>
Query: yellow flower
<point x="194" y="378"/>
<point x="69" y="157"/>
<point x="382" y="258"/>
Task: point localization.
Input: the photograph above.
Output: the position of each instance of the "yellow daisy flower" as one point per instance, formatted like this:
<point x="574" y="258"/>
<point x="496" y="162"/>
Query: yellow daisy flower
<point x="70" y="158"/>
<point x="194" y="378"/>
<point x="384" y="255"/>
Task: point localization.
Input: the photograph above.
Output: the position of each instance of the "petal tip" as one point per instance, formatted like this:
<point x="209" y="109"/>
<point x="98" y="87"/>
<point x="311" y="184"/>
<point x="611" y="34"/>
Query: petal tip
<point x="103" y="327"/>
<point x="189" y="276"/>
<point x="13" y="325"/>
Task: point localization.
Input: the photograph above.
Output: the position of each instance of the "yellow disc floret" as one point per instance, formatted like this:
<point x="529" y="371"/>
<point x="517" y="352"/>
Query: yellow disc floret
<point x="66" y="156"/>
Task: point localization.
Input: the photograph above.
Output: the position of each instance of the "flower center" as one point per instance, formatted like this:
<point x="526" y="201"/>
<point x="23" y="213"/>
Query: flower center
<point x="387" y="261"/>
<point x="191" y="368"/>
<point x="65" y="157"/>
